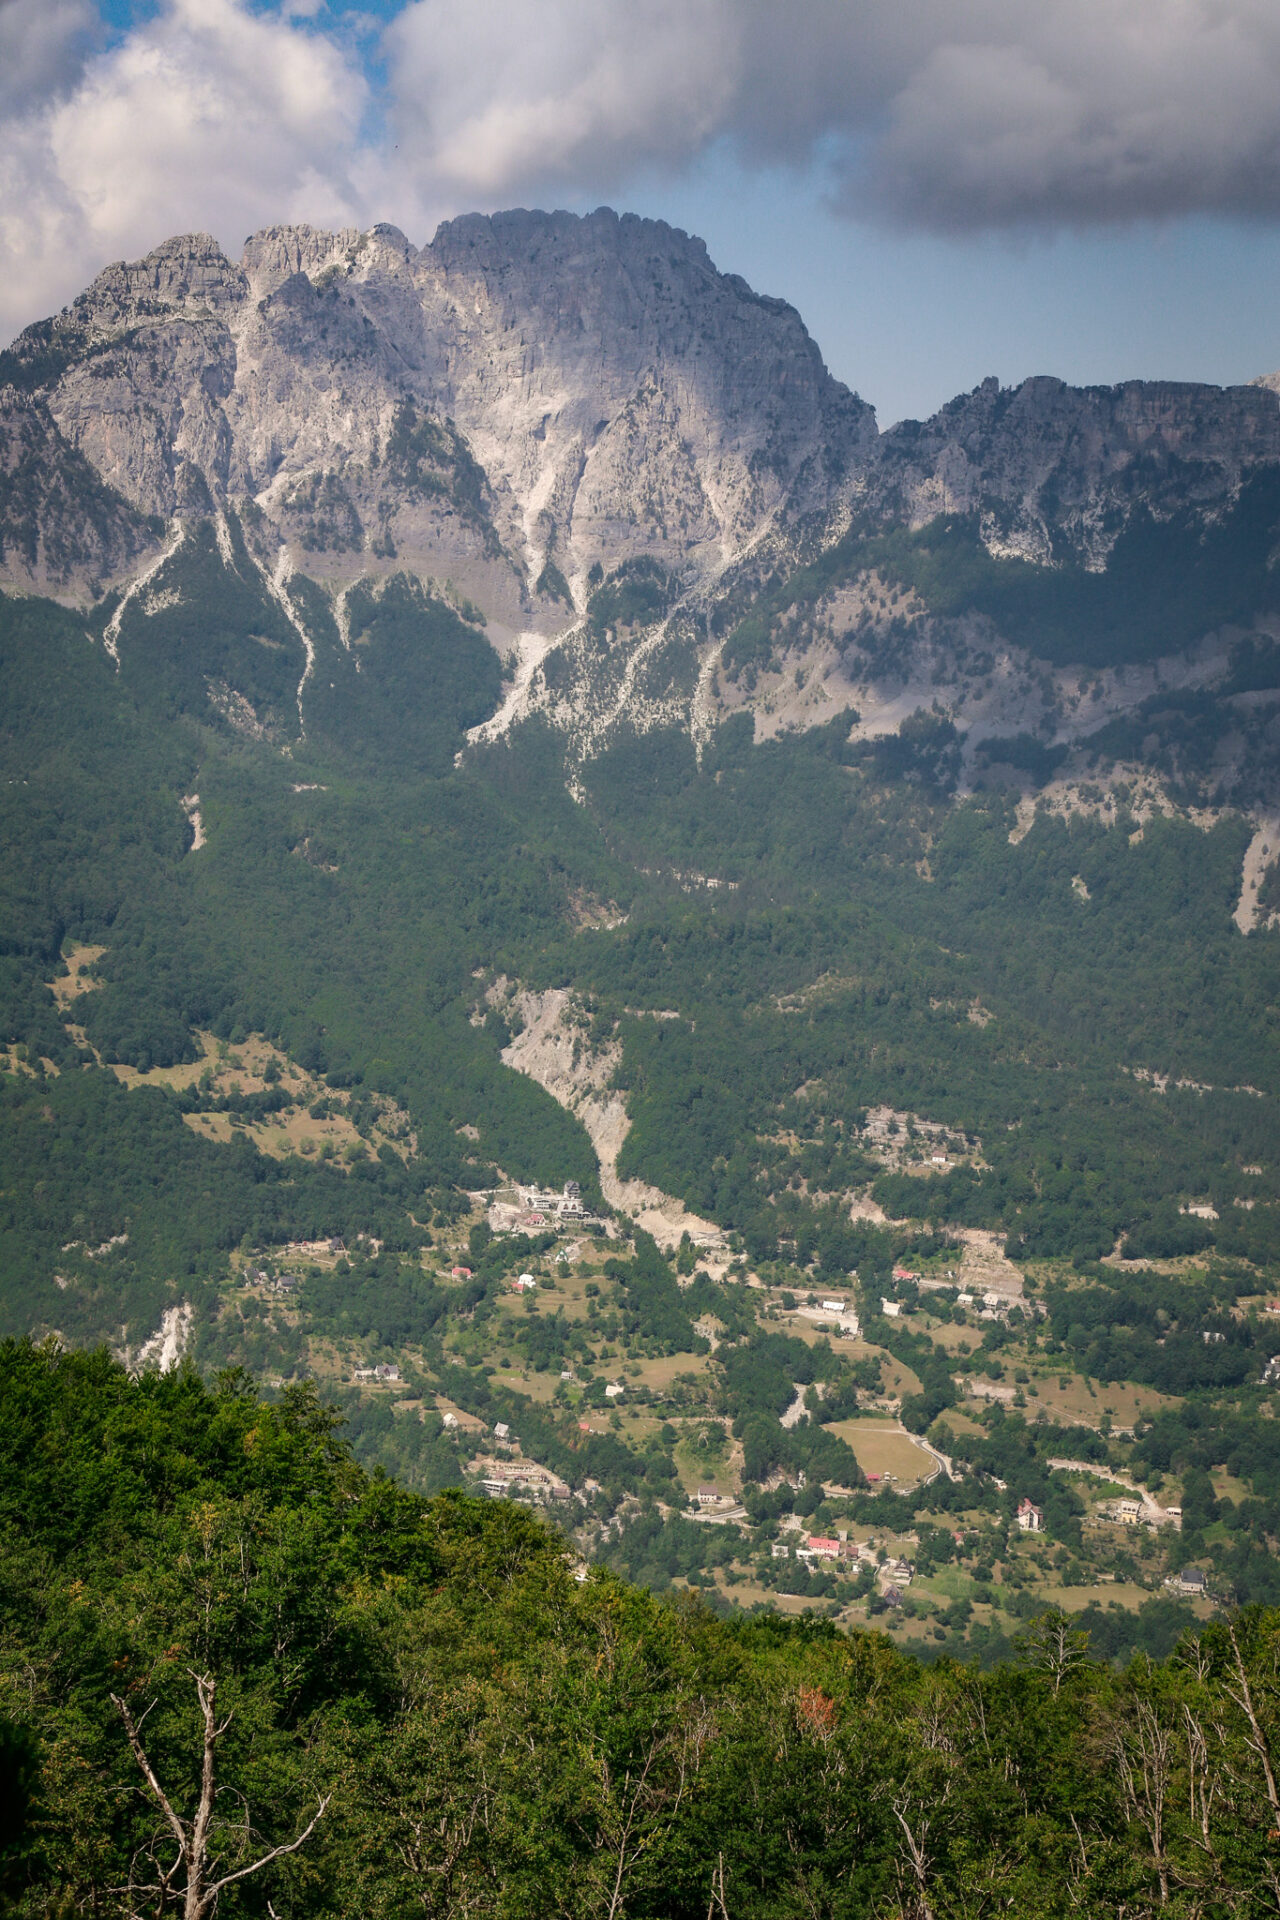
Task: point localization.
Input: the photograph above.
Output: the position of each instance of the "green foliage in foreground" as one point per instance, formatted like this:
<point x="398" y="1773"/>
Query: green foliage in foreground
<point x="480" y="1733"/>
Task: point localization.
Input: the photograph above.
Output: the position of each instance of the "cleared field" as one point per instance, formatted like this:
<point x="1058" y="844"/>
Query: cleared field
<point x="1123" y="1400"/>
<point x="1127" y="1594"/>
<point x="535" y="1386"/>
<point x="951" y="1339"/>
<point x="659" y="1374"/>
<point x="71" y="984"/>
<point x="960" y="1422"/>
<point x="880" y="1449"/>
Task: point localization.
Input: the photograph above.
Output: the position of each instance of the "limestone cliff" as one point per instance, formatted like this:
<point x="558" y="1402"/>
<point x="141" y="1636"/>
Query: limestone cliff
<point x="526" y="389"/>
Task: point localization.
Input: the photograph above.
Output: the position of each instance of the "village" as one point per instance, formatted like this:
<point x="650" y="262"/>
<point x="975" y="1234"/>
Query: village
<point x="547" y="1328"/>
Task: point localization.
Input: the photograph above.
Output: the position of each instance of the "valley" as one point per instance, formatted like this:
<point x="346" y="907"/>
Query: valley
<point x="681" y="960"/>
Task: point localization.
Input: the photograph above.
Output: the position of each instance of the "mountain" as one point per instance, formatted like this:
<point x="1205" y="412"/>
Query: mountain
<point x="526" y="389"/>
<point x="498" y="714"/>
<point x="534" y="401"/>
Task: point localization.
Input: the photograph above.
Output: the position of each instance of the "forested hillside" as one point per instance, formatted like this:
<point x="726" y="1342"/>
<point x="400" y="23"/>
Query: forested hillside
<point x="238" y="1669"/>
<point x="678" y="959"/>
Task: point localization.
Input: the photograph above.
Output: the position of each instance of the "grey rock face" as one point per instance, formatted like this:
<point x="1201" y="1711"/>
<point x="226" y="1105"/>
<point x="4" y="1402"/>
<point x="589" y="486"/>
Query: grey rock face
<point x="527" y="388"/>
<point x="58" y="521"/>
<point x="1055" y="471"/>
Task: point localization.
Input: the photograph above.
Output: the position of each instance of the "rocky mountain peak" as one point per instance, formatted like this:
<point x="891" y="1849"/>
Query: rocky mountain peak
<point x="187" y="272"/>
<point x="527" y="396"/>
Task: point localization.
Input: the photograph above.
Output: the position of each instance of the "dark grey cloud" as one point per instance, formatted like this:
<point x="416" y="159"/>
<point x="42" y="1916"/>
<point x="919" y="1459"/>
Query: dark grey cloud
<point x="43" y="44"/>
<point x="943" y="114"/>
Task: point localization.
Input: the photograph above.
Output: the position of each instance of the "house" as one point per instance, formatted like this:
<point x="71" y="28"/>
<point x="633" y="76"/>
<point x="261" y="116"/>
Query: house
<point x="823" y="1548"/>
<point x="892" y="1597"/>
<point x="964" y="1299"/>
<point x="896" y="1573"/>
<point x="995" y="1301"/>
<point x="1030" y="1517"/>
<point x="1271" y="1372"/>
<point x="891" y="1309"/>
<point x="501" y="1431"/>
<point x="938" y="1160"/>
<point x="525" y="1284"/>
<point x="459" y="1273"/>
<point x="614" y="1390"/>
<point x="712" y="1497"/>
<point x="1193" y="1580"/>
<point x="780" y="1551"/>
<point x="449" y="1421"/>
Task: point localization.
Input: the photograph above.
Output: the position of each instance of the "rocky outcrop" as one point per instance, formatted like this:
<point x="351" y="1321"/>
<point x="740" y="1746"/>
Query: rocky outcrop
<point x="58" y="520"/>
<point x="527" y="389"/>
<point x="1055" y="471"/>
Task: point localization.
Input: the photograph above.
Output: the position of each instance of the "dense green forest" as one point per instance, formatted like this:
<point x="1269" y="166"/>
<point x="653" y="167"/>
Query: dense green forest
<point x="266" y="918"/>
<point x="238" y="1670"/>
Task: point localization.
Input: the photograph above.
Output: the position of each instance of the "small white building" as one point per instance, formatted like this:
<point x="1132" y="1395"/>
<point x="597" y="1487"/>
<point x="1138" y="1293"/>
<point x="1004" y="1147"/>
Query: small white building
<point x="614" y="1390"/>
<point x="891" y="1309"/>
<point x="525" y="1284"/>
<point x="501" y="1431"/>
<point x="833" y="1306"/>
<point x="1030" y="1517"/>
<point x="449" y="1421"/>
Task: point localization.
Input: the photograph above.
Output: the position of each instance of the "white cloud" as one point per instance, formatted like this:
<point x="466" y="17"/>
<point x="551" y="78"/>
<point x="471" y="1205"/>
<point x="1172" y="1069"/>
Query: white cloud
<point x="494" y="94"/>
<point x="208" y="117"/>
<point x="945" y="114"/>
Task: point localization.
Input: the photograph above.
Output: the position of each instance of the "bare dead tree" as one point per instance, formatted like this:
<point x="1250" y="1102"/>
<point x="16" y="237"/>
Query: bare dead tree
<point x="1256" y="1739"/>
<point x="917" y="1855"/>
<point x="1143" y="1752"/>
<point x="1057" y="1648"/>
<point x="192" y="1880"/>
<point x="716" y="1904"/>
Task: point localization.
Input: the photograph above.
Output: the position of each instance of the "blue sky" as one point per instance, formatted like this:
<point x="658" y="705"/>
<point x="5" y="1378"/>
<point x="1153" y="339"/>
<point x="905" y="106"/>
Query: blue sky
<point x="945" y="189"/>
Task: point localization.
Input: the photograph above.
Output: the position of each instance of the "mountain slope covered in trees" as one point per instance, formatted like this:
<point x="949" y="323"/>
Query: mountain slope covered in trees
<point x="208" y="1605"/>
<point x="498" y="714"/>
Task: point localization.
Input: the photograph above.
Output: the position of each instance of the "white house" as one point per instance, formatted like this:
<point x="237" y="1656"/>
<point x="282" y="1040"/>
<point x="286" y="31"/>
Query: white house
<point x="891" y="1309"/>
<point x="1030" y="1517"/>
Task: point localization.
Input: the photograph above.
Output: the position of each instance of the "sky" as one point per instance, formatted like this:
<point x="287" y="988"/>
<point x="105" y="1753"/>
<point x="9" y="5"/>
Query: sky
<point x="945" y="189"/>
